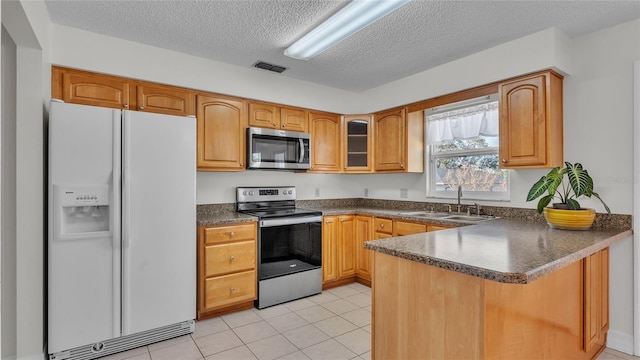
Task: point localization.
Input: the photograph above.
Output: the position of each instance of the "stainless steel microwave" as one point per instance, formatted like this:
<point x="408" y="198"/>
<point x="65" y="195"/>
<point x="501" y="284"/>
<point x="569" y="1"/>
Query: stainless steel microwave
<point x="278" y="149"/>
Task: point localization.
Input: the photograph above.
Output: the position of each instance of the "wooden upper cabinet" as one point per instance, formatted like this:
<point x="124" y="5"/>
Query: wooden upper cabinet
<point x="165" y="100"/>
<point x="357" y="143"/>
<point x="91" y="89"/>
<point x="396" y="137"/>
<point x="86" y="88"/>
<point x="293" y="119"/>
<point x="325" y="142"/>
<point x="264" y="115"/>
<point x="221" y="133"/>
<point x="531" y="121"/>
<point x="272" y="116"/>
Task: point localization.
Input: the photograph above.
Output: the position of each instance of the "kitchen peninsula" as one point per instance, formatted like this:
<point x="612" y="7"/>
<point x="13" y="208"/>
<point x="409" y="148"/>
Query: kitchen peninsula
<point x="501" y="289"/>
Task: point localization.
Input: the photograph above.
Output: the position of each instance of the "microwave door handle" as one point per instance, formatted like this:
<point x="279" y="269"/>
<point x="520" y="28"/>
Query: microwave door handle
<point x="301" y="151"/>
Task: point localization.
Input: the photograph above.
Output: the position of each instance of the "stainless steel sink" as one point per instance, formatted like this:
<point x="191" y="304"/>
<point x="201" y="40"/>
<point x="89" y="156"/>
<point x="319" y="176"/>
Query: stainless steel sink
<point x="426" y="214"/>
<point x="468" y="218"/>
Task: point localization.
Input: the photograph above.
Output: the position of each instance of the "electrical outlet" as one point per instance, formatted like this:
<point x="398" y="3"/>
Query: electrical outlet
<point x="404" y="193"/>
<point x="366" y="192"/>
<point x="317" y="192"/>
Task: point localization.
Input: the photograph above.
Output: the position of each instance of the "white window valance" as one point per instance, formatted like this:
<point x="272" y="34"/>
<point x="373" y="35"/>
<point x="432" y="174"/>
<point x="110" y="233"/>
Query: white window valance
<point x="466" y="123"/>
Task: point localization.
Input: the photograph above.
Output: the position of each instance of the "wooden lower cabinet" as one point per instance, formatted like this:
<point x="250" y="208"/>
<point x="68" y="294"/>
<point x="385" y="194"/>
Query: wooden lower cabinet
<point x="596" y="301"/>
<point x="401" y="228"/>
<point x="227" y="272"/>
<point x="425" y="312"/>
<point x="364" y="258"/>
<point x="338" y="251"/>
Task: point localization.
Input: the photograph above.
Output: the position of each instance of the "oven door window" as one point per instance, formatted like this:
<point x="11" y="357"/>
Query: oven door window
<point x="289" y="249"/>
<point x="279" y="150"/>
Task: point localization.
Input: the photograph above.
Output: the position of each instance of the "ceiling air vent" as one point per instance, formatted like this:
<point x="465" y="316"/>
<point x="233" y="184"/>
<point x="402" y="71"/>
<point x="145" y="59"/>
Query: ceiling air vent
<point x="266" y="66"/>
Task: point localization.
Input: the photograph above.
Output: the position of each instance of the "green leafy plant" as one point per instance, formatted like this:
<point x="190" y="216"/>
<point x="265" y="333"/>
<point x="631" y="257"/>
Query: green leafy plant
<point x="553" y="185"/>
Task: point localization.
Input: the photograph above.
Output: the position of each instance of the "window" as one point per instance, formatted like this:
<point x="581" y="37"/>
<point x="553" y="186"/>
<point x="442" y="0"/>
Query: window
<point x="462" y="147"/>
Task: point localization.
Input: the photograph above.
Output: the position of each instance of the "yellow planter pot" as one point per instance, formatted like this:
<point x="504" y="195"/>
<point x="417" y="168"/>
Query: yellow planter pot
<point x="569" y="219"/>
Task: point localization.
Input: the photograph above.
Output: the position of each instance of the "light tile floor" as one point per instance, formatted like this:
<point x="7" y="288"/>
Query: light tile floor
<point x="333" y="325"/>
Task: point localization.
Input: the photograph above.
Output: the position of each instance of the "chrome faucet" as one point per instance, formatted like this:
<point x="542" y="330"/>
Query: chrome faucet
<point x="459" y="196"/>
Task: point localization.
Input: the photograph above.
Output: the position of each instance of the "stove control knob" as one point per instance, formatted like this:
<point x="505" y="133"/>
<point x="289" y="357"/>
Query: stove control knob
<point x="289" y="192"/>
<point x="250" y="193"/>
<point x="244" y="193"/>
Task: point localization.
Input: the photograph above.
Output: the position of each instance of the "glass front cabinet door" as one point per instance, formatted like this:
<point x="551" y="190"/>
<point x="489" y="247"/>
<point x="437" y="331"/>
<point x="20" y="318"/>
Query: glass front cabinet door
<point x="357" y="143"/>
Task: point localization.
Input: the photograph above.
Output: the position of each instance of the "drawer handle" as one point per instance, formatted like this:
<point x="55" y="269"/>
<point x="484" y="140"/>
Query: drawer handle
<point x="232" y="234"/>
<point x="233" y="289"/>
<point x="231" y="258"/>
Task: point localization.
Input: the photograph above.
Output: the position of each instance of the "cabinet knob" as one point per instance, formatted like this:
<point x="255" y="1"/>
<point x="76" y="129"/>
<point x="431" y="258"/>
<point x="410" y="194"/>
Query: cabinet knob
<point x="232" y="234"/>
<point x="140" y="107"/>
<point x="126" y="106"/>
<point x="241" y="164"/>
<point x="231" y="258"/>
<point x="504" y="160"/>
<point x="274" y="124"/>
<point x="284" y="125"/>
<point x="232" y="289"/>
<point x="401" y="166"/>
<point x="381" y="225"/>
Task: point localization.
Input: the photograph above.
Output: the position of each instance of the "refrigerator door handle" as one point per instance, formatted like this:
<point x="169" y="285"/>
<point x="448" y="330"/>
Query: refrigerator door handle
<point x="126" y="221"/>
<point x="114" y="213"/>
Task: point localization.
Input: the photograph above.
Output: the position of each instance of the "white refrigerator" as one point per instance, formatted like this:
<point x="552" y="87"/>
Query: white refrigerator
<point x="122" y="229"/>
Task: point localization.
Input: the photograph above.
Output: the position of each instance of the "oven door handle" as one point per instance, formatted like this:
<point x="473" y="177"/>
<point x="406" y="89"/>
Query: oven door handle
<point x="290" y="221"/>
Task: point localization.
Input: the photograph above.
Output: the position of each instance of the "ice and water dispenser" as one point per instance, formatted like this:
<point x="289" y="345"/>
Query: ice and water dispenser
<point x="83" y="212"/>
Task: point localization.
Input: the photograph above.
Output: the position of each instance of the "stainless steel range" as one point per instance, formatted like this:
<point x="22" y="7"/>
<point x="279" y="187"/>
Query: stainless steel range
<point x="289" y="244"/>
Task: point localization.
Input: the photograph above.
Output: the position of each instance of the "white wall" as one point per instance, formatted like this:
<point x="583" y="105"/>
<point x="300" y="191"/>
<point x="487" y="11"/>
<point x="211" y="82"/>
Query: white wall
<point x="8" y="196"/>
<point x="27" y="24"/>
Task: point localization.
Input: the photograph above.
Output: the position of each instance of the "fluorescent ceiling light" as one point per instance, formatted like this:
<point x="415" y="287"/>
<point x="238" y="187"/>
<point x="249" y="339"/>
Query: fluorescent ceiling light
<point x="349" y="20"/>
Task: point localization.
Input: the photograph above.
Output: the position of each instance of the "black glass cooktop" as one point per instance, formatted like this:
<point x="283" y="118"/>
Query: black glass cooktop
<point x="291" y="212"/>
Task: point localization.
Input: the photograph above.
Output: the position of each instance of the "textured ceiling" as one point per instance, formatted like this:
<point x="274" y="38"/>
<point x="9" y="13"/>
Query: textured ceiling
<point x="420" y="35"/>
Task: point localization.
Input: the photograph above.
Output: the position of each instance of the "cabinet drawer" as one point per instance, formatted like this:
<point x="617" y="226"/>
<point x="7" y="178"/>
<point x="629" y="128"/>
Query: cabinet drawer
<point x="228" y="258"/>
<point x="228" y="289"/>
<point x="401" y="228"/>
<point x="438" y="227"/>
<point x="222" y="234"/>
<point x="383" y="225"/>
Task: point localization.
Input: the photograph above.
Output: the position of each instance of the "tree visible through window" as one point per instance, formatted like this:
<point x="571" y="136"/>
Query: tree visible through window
<point x="463" y="148"/>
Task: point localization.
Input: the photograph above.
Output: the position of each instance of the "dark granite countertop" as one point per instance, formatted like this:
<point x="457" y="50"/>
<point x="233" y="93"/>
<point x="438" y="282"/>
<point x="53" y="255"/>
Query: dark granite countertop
<point x="503" y="250"/>
<point x="223" y="218"/>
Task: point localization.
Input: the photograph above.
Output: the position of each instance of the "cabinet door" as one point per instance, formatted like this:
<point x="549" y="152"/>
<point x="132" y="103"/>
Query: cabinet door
<point x="401" y="228"/>
<point x="390" y="140"/>
<point x="346" y="249"/>
<point x="325" y="142"/>
<point x="165" y="100"/>
<point x="264" y="115"/>
<point x="221" y="133"/>
<point x="531" y="122"/>
<point x="293" y="119"/>
<point x="95" y="90"/>
<point x="364" y="257"/>
<point x="596" y="301"/>
<point x="329" y="248"/>
<point x="357" y="143"/>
